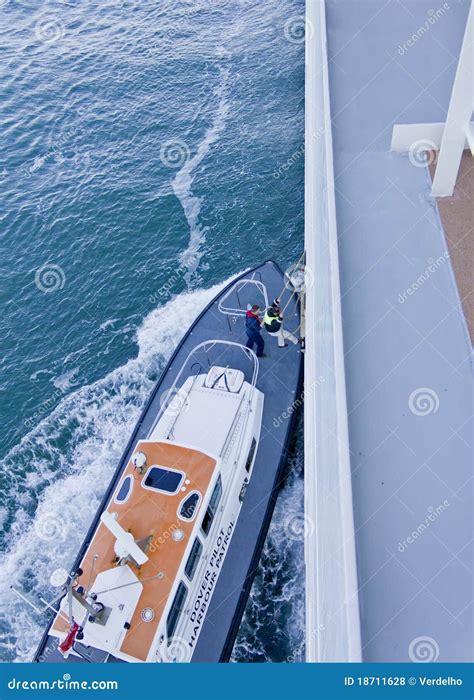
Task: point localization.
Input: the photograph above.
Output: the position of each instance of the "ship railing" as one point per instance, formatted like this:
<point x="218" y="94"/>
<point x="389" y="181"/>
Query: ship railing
<point x="331" y="591"/>
<point x="174" y="395"/>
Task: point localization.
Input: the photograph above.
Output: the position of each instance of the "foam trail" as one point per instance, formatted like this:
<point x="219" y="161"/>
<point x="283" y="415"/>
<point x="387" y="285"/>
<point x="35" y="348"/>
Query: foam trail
<point x="183" y="181"/>
<point x="58" y="473"/>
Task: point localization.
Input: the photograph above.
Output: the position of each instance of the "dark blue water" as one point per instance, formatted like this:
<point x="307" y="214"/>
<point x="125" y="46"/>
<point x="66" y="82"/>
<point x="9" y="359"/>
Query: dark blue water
<point x="149" y="151"/>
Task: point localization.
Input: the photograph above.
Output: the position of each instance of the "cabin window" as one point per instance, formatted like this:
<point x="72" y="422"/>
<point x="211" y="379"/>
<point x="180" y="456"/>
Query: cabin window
<point x="212" y="507"/>
<point x="125" y="490"/>
<point x="163" y="479"/>
<point x="188" y="507"/>
<point x="193" y="559"/>
<point x="251" y="454"/>
<point x="176" y="609"/>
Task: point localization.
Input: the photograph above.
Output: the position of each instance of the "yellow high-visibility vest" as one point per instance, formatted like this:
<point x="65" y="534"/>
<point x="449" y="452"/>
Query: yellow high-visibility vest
<point x="268" y="320"/>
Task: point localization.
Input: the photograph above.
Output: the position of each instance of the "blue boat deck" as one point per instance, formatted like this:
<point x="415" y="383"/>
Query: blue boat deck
<point x="407" y="350"/>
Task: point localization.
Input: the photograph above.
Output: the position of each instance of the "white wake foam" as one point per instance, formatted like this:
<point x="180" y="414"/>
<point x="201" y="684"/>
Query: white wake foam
<point x="184" y="178"/>
<point x="59" y="472"/>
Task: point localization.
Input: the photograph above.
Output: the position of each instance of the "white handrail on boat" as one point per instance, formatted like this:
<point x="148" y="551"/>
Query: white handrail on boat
<point x="240" y="284"/>
<point x="332" y="604"/>
<point x="207" y="346"/>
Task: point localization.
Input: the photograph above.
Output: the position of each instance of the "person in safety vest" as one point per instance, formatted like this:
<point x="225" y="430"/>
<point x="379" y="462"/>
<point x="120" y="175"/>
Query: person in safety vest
<point x="253" y="326"/>
<point x="273" y="322"/>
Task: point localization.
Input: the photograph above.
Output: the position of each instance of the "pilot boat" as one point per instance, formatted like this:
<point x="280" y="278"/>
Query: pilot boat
<point x="167" y="565"/>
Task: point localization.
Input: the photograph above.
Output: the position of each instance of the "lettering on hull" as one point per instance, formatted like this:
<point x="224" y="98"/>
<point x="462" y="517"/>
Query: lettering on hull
<point x="199" y="608"/>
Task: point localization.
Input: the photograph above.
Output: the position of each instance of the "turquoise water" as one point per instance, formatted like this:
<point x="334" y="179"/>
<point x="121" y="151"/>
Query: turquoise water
<point x="149" y="151"/>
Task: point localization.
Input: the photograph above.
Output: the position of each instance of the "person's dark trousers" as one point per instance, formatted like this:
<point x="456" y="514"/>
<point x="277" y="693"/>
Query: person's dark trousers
<point x="256" y="339"/>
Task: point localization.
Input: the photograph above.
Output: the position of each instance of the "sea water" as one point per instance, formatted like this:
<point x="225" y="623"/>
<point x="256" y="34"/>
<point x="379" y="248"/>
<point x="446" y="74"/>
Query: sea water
<point x="150" y="150"/>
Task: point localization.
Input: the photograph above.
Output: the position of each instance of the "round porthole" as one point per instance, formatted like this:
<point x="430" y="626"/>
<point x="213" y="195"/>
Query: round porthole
<point x="177" y="535"/>
<point x="148" y="614"/>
